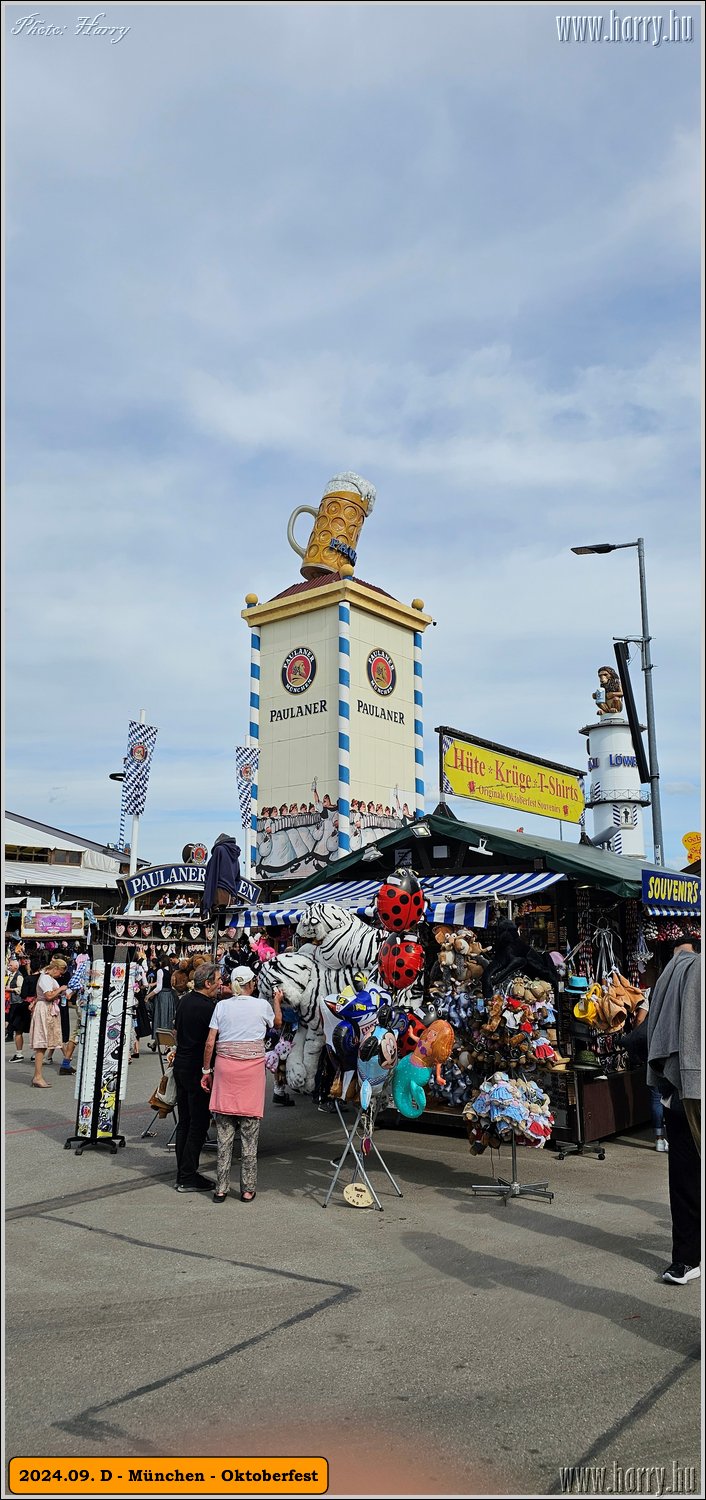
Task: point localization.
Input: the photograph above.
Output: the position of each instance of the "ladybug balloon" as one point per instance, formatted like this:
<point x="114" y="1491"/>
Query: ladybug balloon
<point x="400" y="960"/>
<point x="400" y="902"/>
<point x="414" y="1030"/>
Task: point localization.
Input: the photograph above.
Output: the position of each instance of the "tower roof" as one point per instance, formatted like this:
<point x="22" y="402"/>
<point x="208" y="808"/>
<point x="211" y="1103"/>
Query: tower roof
<point x="325" y="582"/>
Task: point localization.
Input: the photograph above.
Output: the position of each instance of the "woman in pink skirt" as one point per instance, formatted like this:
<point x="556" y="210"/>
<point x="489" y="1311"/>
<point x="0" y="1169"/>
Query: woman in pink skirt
<point x="237" y="1082"/>
<point x="45" y="1030"/>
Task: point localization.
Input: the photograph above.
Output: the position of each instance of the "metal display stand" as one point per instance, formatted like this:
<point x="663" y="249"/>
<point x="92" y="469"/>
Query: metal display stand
<point x="512" y="1189"/>
<point x="359" y="1170"/>
<point x="579" y="1147"/>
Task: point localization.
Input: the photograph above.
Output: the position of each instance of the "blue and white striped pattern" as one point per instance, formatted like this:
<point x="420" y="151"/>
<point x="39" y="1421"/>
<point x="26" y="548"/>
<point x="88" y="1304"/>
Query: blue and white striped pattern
<point x="254" y="739"/>
<point x="137" y="773"/>
<point x="418" y="728"/>
<point x="673" y="911"/>
<point x="247" y="760"/>
<point x="344" y="728"/>
<point x="455" y="899"/>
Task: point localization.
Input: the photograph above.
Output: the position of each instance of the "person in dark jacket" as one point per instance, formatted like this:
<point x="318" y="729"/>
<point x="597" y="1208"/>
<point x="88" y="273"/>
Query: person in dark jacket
<point x="192" y="1026"/>
<point x="222" y="872"/>
<point x="674" y="1067"/>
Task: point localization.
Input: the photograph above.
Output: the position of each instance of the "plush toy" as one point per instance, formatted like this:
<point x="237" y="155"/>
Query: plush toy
<point x="461" y="958"/>
<point x="279" y="1053"/>
<point x="261" y="949"/>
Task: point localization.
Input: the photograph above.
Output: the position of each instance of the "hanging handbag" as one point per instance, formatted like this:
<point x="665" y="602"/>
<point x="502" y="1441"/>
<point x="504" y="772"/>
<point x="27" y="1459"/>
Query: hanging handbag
<point x="165" y="1095"/>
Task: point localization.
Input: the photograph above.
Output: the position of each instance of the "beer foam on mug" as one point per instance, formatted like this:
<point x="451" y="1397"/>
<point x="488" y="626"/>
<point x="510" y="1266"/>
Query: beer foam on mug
<point x="351" y="481"/>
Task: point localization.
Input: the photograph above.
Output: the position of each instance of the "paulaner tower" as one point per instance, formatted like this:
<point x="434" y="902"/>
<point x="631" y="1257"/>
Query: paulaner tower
<point x="336" y="700"/>
<point x="616" y="794"/>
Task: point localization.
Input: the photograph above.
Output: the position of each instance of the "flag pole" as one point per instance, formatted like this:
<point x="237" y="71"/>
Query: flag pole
<point x="134" y="832"/>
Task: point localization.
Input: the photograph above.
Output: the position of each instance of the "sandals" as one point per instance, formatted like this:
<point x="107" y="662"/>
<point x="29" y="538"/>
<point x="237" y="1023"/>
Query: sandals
<point x="219" y="1197"/>
<point x="247" y="1197"/>
<point x="36" y="1085"/>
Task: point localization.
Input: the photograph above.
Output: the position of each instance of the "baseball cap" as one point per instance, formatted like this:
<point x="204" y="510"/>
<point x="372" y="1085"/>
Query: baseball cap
<point x="243" y="974"/>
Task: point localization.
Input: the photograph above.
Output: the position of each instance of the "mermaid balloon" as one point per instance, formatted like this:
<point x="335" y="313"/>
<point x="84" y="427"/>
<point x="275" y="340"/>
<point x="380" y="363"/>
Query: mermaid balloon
<point x="416" y="1070"/>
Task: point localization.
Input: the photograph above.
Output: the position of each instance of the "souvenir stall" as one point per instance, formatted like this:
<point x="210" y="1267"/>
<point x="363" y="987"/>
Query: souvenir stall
<point x="596" y="920"/>
<point x="171" y="933"/>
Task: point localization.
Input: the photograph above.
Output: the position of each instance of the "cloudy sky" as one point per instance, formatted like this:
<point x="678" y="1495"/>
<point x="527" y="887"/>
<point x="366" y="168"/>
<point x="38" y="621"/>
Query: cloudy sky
<point x="249" y="246"/>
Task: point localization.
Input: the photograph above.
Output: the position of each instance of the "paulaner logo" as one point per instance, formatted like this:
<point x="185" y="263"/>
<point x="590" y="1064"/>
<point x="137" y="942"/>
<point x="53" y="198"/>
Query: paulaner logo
<point x="298" y="669"/>
<point x="382" y="674"/>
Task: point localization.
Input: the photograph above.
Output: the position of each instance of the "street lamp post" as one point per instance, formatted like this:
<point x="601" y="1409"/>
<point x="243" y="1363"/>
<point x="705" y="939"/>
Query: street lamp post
<point x="601" y="547"/>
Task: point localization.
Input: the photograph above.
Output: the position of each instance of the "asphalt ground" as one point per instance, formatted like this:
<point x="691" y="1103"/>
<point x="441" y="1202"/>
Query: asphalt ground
<point x="449" y="1345"/>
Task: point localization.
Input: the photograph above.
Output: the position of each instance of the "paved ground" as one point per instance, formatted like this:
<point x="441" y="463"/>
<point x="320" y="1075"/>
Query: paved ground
<point x="449" y="1345"/>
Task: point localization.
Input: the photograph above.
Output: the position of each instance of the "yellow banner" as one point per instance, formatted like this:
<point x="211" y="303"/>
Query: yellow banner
<point x="472" y="770"/>
<point x="168" y="1476"/>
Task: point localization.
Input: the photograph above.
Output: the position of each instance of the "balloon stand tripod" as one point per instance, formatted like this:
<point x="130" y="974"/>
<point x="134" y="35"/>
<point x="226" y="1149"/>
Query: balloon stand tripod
<point x="360" y="1179"/>
<point x="512" y="1189"/>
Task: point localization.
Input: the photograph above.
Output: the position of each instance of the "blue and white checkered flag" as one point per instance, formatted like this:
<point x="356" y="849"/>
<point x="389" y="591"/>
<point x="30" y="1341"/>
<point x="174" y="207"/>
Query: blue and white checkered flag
<point x="247" y="760"/>
<point x="138" y="762"/>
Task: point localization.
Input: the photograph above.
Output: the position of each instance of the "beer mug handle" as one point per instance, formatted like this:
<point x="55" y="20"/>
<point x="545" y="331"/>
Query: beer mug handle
<point x="300" y="510"/>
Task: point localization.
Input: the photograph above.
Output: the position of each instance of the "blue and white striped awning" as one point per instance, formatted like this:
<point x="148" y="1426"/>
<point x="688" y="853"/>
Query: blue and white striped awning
<point x="459" y="900"/>
<point x="673" y="911"/>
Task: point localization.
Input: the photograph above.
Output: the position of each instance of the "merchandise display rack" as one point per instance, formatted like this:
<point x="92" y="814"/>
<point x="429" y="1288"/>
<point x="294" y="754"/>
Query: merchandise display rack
<point x="514" y="1188"/>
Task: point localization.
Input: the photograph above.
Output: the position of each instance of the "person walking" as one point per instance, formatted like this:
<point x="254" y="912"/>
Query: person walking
<point x="674" y="1067"/>
<point x="45" y="1030"/>
<point x="76" y="996"/>
<point x="193" y="1020"/>
<point x="23" y="1012"/>
<point x="237" y="1083"/>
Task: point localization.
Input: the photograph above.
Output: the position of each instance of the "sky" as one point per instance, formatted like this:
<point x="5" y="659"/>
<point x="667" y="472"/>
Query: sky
<point x="251" y="246"/>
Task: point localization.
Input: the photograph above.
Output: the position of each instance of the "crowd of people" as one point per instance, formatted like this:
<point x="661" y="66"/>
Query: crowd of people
<point x="44" y="990"/>
<point x="220" y="1027"/>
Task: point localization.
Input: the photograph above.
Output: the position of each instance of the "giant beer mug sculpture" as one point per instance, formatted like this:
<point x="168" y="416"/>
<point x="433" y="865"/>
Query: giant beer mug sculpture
<point x="338" y="522"/>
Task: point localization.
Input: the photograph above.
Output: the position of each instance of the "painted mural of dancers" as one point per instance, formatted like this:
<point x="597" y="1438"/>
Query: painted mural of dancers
<point x="301" y="838"/>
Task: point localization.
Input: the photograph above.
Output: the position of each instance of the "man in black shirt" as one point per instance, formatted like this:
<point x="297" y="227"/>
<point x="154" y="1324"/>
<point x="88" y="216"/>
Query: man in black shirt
<point x="193" y="1019"/>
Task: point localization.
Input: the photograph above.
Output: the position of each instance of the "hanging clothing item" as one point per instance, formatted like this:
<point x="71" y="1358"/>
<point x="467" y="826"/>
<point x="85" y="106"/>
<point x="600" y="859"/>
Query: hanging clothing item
<point x="222" y="872"/>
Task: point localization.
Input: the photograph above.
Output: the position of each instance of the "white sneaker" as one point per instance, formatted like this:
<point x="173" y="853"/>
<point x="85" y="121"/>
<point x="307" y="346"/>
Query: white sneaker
<point x="679" y="1274"/>
<point x="18" y="1057"/>
<point x="661" y="1144"/>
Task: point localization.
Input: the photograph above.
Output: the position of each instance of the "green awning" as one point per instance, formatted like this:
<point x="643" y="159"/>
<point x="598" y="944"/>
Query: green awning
<point x="605" y="871"/>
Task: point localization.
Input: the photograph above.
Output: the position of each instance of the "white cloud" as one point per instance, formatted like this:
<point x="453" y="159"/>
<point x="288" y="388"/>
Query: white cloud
<point x="252" y="246"/>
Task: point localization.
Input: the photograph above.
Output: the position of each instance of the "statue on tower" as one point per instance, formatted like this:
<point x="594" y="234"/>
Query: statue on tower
<point x="347" y="501"/>
<point x="609" y="696"/>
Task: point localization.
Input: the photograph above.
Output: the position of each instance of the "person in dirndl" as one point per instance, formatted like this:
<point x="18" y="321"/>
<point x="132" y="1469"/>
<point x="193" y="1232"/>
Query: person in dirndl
<point x="237" y="1081"/>
<point x="45" y="1030"/>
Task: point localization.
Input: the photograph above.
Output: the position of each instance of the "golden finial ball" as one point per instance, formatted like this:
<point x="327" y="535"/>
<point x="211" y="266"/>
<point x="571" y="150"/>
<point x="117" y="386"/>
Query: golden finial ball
<point x="417" y="604"/>
<point x="346" y="570"/>
<point x="250" y="599"/>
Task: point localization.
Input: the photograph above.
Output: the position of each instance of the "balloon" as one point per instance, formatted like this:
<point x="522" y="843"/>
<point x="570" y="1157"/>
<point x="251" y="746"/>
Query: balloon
<point x="377" y="1056"/>
<point x="434" y="1046"/>
<point x="414" y="1071"/>
<point x="344" y="1045"/>
<point x="400" y="960"/>
<point x="400" y="902"/>
<point x="359" y="1009"/>
<point x="414" y="1027"/>
<point x="408" y="1088"/>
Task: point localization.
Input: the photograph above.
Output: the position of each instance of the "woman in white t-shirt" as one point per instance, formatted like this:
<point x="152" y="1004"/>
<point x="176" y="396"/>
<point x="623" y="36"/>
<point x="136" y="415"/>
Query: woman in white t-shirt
<point x="45" y="1030"/>
<point x="237" y="1082"/>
